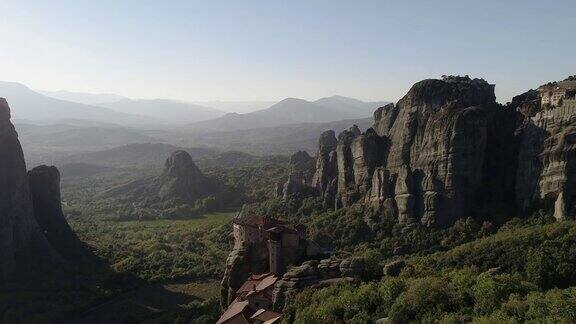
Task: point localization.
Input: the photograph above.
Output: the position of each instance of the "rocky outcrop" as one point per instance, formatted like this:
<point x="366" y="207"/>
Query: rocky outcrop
<point x="302" y="162"/>
<point x="447" y="150"/>
<point x="181" y="179"/>
<point x="315" y="274"/>
<point x="23" y="245"/>
<point x="324" y="179"/>
<point x="547" y="159"/>
<point x="294" y="186"/>
<point x="253" y="251"/>
<point x="528" y="103"/>
<point x="174" y="193"/>
<point x="426" y="158"/>
<point x="301" y="169"/>
<point x="243" y="260"/>
<point x="45" y="189"/>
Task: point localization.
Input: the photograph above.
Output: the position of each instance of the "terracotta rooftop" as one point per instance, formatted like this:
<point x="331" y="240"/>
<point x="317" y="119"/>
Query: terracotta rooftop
<point x="257" y="283"/>
<point x="236" y="308"/>
<point x="274" y="320"/>
<point x="265" y="315"/>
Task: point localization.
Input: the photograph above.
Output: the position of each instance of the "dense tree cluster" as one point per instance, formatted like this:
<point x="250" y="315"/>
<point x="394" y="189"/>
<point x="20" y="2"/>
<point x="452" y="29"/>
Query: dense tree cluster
<point x="524" y="272"/>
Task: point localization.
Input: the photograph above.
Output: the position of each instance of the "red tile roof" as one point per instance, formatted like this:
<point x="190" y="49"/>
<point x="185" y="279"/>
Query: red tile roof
<point x="265" y="315"/>
<point x="266" y="283"/>
<point x="273" y="320"/>
<point x="236" y="308"/>
<point x="257" y="283"/>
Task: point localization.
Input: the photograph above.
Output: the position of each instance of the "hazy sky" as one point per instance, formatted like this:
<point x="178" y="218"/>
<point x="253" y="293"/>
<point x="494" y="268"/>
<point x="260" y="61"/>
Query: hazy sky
<point x="269" y="50"/>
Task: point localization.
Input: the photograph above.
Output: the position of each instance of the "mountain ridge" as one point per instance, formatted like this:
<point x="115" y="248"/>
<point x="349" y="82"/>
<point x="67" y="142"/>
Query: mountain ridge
<point x="167" y="110"/>
<point x="292" y="111"/>
<point x="31" y="105"/>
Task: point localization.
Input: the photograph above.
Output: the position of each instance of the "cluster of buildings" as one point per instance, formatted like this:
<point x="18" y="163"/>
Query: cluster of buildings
<point x="253" y="300"/>
<point x="559" y="95"/>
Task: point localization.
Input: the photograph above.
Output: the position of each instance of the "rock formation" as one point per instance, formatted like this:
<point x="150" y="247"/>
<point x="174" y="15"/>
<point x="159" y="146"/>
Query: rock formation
<point x="325" y="178"/>
<point x="22" y="242"/>
<point x="447" y="150"/>
<point x="45" y="189"/>
<point x="316" y="274"/>
<point x="175" y="191"/>
<point x="181" y="180"/>
<point x="547" y="156"/>
<point x="301" y="169"/>
<point x="242" y="261"/>
<point x="423" y="159"/>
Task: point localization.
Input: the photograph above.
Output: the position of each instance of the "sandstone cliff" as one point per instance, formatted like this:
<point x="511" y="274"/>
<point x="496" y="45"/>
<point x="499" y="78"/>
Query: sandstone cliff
<point x="547" y="160"/>
<point x="45" y="189"/>
<point x="422" y="160"/>
<point x="301" y="169"/>
<point x="447" y="150"/>
<point x="22" y="242"/>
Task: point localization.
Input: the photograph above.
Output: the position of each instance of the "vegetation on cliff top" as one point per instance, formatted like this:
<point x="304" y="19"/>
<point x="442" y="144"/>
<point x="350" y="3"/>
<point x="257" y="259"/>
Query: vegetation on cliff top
<point x="524" y="272"/>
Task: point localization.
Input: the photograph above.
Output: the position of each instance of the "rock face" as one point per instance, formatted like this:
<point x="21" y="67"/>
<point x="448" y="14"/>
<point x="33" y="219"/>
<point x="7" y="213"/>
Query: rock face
<point x="301" y="169"/>
<point x="181" y="179"/>
<point x="45" y="189"/>
<point x="243" y="260"/>
<point x="325" y="177"/>
<point x="181" y="182"/>
<point x="547" y="155"/>
<point x="425" y="158"/>
<point x="22" y="242"/>
<point x="447" y="150"/>
<point x="315" y="274"/>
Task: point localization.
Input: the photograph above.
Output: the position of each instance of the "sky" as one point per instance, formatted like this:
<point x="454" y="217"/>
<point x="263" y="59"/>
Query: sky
<point x="269" y="50"/>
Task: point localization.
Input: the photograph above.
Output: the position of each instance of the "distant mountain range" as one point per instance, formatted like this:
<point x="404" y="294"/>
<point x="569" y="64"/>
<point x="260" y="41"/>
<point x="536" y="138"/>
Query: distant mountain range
<point x="52" y="129"/>
<point x="240" y="107"/>
<point x="75" y="107"/>
<point x="292" y="111"/>
<point x="166" y="110"/>
<point x="27" y="104"/>
<point x="83" y="97"/>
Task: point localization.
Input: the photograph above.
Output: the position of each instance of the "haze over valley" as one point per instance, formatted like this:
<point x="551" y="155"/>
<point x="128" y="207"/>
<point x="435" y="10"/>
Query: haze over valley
<point x="267" y="162"/>
<point x="55" y="125"/>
